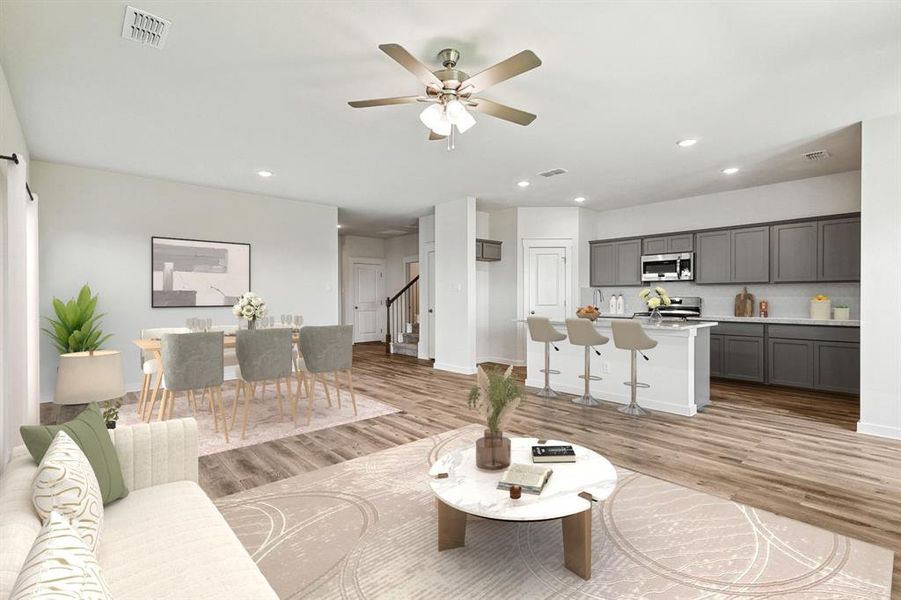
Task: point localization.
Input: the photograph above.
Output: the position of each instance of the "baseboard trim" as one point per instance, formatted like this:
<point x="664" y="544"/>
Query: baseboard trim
<point x="625" y="398"/>
<point x="454" y="368"/>
<point x="893" y="433"/>
<point x="502" y="360"/>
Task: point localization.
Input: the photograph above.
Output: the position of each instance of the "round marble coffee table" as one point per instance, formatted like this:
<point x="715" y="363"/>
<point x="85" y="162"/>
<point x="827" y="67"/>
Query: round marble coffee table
<point x="568" y="495"/>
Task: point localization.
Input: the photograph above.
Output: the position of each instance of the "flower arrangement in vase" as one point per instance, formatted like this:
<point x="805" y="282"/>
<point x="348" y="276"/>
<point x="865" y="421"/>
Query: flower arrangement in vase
<point x="250" y="307"/>
<point x="496" y="397"/>
<point x="655" y="299"/>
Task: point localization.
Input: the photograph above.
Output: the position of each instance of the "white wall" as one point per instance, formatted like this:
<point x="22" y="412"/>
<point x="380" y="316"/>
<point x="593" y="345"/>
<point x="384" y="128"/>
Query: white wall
<point x="426" y="243"/>
<point x="19" y="335"/>
<point x="880" y="278"/>
<point x="483" y="293"/>
<point x="96" y="228"/>
<point x="397" y="249"/>
<point x="816" y="196"/>
<point x="455" y="286"/>
<point x="502" y="330"/>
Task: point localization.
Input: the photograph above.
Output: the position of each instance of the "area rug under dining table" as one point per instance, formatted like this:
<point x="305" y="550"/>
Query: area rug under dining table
<point x="367" y="528"/>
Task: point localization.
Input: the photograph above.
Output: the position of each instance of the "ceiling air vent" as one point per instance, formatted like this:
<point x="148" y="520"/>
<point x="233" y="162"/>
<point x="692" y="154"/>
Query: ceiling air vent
<point x="553" y="173"/>
<point x="144" y="28"/>
<point x="817" y="155"/>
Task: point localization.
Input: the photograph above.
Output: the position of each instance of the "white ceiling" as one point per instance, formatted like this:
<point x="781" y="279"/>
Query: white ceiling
<point x="242" y="86"/>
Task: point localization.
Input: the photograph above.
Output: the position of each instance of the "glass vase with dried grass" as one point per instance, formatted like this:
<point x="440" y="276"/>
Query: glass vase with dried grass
<point x="496" y="396"/>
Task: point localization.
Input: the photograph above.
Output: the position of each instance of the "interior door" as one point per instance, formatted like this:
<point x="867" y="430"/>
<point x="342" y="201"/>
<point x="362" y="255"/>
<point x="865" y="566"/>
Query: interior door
<point x="547" y="283"/>
<point x="367" y="299"/>
<point x="431" y="301"/>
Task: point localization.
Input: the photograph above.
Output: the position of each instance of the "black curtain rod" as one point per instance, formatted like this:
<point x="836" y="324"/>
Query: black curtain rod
<point x="15" y="158"/>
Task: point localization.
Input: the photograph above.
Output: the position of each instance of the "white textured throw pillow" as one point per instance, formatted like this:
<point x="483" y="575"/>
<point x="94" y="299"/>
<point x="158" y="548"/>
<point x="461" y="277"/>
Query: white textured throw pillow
<point x="60" y="565"/>
<point x="65" y="482"/>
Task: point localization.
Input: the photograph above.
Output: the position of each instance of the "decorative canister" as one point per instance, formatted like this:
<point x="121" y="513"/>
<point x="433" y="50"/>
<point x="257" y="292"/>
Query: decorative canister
<point x="841" y="313"/>
<point x="821" y="310"/>
<point x="764" y="308"/>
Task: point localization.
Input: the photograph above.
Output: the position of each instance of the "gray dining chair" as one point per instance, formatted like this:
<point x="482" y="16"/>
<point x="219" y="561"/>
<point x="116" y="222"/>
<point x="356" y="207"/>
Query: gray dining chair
<point x="263" y="355"/>
<point x="193" y="361"/>
<point x="326" y="349"/>
<point x="150" y="366"/>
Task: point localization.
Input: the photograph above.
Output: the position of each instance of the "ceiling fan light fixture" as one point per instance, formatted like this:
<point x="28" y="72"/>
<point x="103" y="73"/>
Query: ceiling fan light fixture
<point x="465" y="121"/>
<point x="432" y="116"/>
<point x="442" y="127"/>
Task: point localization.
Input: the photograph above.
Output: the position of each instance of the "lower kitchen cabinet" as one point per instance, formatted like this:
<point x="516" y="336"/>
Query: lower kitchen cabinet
<point x="716" y="355"/>
<point x="836" y="367"/>
<point x="743" y="358"/>
<point x="790" y="362"/>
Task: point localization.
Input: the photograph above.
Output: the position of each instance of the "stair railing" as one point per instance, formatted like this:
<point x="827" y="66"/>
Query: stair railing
<point x="401" y="308"/>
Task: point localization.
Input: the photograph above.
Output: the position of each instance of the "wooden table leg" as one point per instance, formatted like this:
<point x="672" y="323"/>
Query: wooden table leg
<point x="577" y="543"/>
<point x="451" y="526"/>
<point x="148" y="410"/>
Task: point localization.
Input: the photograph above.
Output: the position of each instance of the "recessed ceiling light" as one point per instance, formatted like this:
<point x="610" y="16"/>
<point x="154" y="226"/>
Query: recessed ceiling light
<point x="730" y="170"/>
<point x="686" y="143"/>
<point x="339" y="225"/>
<point x="264" y="173"/>
<point x="579" y="199"/>
<point x="523" y="183"/>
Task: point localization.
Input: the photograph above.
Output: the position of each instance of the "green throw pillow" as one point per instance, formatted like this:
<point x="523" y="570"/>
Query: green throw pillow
<point x="88" y="430"/>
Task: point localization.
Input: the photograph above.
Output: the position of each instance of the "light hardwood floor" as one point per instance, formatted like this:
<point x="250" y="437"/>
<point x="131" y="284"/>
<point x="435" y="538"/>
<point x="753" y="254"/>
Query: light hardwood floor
<point x="794" y="453"/>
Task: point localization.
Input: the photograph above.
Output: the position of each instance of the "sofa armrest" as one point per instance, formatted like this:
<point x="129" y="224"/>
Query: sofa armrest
<point x="157" y="453"/>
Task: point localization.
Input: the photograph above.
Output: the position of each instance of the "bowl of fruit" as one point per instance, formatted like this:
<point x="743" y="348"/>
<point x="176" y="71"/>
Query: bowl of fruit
<point x="589" y="311"/>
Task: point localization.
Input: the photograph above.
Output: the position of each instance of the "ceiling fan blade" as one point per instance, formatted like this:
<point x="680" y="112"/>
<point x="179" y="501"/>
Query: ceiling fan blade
<point x="434" y="136"/>
<point x="502" y="71"/>
<point x="386" y="101"/>
<point x="412" y="64"/>
<point x="514" y="115"/>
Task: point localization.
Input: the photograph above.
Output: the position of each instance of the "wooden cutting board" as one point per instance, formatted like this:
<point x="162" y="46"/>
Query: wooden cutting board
<point x="744" y="304"/>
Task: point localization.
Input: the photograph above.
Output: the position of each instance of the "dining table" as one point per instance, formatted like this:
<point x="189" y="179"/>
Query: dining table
<point x="154" y="346"/>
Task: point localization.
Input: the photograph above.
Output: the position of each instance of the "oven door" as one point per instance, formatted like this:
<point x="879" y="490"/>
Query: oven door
<point x="660" y="267"/>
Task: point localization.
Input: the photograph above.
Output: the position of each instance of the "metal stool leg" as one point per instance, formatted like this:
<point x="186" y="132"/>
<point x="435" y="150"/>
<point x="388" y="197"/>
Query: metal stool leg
<point x="587" y="399"/>
<point x="632" y="408"/>
<point x="546" y="391"/>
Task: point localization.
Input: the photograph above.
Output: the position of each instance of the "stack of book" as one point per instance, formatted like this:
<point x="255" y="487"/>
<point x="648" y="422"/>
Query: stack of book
<point x="531" y="478"/>
<point x="549" y="454"/>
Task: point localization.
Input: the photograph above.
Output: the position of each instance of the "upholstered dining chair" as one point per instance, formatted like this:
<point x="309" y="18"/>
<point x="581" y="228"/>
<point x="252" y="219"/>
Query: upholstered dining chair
<point x="263" y="355"/>
<point x="150" y="366"/>
<point x="326" y="349"/>
<point x="193" y="361"/>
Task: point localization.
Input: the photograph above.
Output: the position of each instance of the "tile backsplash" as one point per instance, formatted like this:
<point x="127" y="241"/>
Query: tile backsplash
<point x="785" y="299"/>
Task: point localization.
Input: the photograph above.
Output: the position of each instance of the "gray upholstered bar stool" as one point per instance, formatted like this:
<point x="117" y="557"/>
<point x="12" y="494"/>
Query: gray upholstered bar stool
<point x="541" y="330"/>
<point x="192" y="361"/>
<point x="582" y="332"/>
<point x="326" y="349"/>
<point x="263" y="355"/>
<point x="629" y="335"/>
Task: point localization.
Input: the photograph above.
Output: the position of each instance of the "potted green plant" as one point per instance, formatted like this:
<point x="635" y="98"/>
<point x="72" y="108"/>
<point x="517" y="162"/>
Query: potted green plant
<point x="496" y="396"/>
<point x="111" y="412"/>
<point x="76" y="327"/>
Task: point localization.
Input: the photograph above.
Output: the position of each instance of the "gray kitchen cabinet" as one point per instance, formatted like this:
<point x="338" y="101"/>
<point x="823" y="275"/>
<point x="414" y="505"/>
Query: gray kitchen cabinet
<point x="716" y="355"/>
<point x="793" y="252"/>
<point x="743" y="358"/>
<point x="836" y="367"/>
<point x="655" y="245"/>
<point x="615" y="263"/>
<point x="488" y="250"/>
<point x="714" y="257"/>
<point x="665" y="244"/>
<point x="838" y="253"/>
<point x="790" y="362"/>
<point x="602" y="264"/>
<point x="751" y="255"/>
<point x="628" y="262"/>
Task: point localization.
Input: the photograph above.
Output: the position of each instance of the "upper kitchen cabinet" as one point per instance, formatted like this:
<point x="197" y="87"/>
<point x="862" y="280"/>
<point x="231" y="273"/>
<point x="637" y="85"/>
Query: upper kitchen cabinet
<point x="714" y="257"/>
<point x="751" y="255"/>
<point x="615" y="263"/>
<point x="838" y="253"/>
<point x="666" y="244"/>
<point x="488" y="250"/>
<point x="793" y="253"/>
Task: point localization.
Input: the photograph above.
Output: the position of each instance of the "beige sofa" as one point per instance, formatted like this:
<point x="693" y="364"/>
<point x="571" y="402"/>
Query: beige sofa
<point x="166" y="539"/>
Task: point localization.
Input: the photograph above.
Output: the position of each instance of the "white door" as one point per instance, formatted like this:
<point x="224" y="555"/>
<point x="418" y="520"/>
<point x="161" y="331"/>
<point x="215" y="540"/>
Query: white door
<point x="431" y="294"/>
<point x="367" y="302"/>
<point x="547" y="292"/>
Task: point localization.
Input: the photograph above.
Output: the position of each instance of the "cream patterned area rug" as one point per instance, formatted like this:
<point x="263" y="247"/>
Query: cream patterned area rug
<point x="265" y="423"/>
<point x="366" y="528"/>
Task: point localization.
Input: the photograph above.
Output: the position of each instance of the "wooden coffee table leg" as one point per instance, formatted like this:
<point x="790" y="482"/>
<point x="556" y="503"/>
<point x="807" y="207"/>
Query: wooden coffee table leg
<point x="451" y="526"/>
<point x="577" y="543"/>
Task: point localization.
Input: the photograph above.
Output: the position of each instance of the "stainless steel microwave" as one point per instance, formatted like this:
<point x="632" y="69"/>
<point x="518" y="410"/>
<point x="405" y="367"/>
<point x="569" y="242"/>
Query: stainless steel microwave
<point x="668" y="267"/>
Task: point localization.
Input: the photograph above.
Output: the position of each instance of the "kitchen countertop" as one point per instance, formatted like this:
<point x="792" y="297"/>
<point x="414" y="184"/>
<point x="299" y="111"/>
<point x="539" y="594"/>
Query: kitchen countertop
<point x="778" y="320"/>
<point x="666" y="325"/>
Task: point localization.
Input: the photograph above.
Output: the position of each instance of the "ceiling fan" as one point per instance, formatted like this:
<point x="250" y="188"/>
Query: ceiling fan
<point x="449" y="91"/>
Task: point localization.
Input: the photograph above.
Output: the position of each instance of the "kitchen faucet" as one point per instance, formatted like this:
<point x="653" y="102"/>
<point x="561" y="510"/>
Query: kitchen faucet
<point x="597" y="297"/>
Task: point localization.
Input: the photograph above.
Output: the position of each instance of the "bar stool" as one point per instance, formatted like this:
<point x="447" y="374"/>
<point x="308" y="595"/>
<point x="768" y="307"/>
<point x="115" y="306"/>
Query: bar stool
<point x="541" y="330"/>
<point x="630" y="335"/>
<point x="582" y="332"/>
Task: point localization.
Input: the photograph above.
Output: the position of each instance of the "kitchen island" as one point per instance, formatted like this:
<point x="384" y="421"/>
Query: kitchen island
<point x="678" y="369"/>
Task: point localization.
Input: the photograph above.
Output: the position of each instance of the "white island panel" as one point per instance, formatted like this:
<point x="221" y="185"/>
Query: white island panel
<point x="678" y="369"/>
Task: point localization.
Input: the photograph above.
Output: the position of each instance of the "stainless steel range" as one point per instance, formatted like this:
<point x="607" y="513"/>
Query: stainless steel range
<point x="681" y="308"/>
